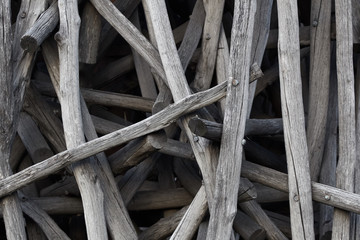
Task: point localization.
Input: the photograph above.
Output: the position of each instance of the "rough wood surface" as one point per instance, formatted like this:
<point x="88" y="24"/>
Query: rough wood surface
<point x="248" y="228"/>
<point x="151" y="124"/>
<point x="89" y="34"/>
<point x="346" y="105"/>
<point x="223" y="211"/>
<point x="319" y="83"/>
<point x="44" y="25"/>
<point x="88" y="182"/>
<point x="209" y="44"/>
<point x="301" y="211"/>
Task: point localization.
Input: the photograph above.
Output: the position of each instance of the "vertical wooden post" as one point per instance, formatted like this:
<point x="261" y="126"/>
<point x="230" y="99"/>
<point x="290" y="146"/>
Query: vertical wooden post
<point x="224" y="208"/>
<point x="14" y="221"/>
<point x="346" y="102"/>
<point x="86" y="177"/>
<point x="319" y="83"/>
<point x="301" y="210"/>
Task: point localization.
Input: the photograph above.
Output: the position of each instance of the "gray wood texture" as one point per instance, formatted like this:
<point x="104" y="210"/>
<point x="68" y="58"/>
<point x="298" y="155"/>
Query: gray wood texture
<point x="151" y="124"/>
<point x="301" y="211"/>
<point x="223" y="211"/>
<point x="116" y="214"/>
<point x="41" y="29"/>
<point x="248" y="228"/>
<point x="89" y="38"/>
<point x="346" y="104"/>
<point x="319" y="83"/>
<point x="209" y="43"/>
<point x="14" y="70"/>
<point x="88" y="182"/>
<point x="192" y="218"/>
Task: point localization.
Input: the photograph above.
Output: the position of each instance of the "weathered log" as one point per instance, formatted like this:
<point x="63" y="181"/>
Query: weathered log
<point x="192" y="218"/>
<point x="41" y="29"/>
<point x="301" y="212"/>
<point x="319" y="83"/>
<point x="209" y="44"/>
<point x="223" y="211"/>
<point x="151" y="124"/>
<point x="346" y="104"/>
<point x="105" y="98"/>
<point x="248" y="228"/>
<point x="164" y="227"/>
<point x="160" y="199"/>
<point x="135" y="151"/>
<point x="133" y="180"/>
<point x="213" y="130"/>
<point x="89" y="34"/>
<point x="88" y="182"/>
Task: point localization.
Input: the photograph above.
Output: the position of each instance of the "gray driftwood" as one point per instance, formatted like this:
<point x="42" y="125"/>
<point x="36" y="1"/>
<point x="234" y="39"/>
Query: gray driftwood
<point x="346" y="104"/>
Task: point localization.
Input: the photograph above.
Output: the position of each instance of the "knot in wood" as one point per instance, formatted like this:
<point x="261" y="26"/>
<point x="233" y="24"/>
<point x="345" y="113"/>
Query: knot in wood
<point x="208" y="37"/>
<point x="327" y="197"/>
<point x="196" y="138"/>
<point x="315" y="23"/>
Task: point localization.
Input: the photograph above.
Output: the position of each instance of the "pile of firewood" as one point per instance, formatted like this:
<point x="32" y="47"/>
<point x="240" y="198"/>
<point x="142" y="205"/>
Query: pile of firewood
<point x="188" y="119"/>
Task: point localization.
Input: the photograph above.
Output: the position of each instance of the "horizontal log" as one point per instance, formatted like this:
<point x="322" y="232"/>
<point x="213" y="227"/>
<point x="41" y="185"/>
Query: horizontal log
<point x="213" y="130"/>
<point x="160" y="199"/>
<point x="151" y="124"/>
<point x="104" y="98"/>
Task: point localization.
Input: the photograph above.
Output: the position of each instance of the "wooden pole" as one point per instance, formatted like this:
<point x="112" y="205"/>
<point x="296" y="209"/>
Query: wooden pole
<point x="301" y="211"/>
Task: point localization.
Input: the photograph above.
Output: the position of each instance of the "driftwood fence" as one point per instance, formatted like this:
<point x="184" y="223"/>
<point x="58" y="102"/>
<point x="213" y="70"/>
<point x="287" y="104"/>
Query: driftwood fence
<point x="188" y="119"/>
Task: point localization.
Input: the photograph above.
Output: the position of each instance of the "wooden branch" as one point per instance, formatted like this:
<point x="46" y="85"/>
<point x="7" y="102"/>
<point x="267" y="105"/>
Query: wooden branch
<point x="160" y="199"/>
<point x="179" y="87"/>
<point x="253" y="210"/>
<point x="192" y="34"/>
<point x="14" y="68"/>
<point x="209" y="44"/>
<point x="41" y="29"/>
<point x="28" y="131"/>
<point x="136" y="151"/>
<point x="151" y="124"/>
<point x="143" y="71"/>
<point x="50" y="126"/>
<point x="301" y="211"/>
<point x="248" y="228"/>
<point x="17" y="151"/>
<point x="136" y="178"/>
<point x="105" y="98"/>
<point x="319" y="83"/>
<point x="223" y="211"/>
<point x="345" y="171"/>
<point x="164" y="227"/>
<point x="268" y="195"/>
<point x="328" y="166"/>
<point x="88" y="182"/>
<point x="213" y="130"/>
<point x="192" y="218"/>
<point x="130" y="33"/>
<point x="47" y="224"/>
<point x="116" y="215"/>
<point x="89" y="34"/>
<point x="104" y="126"/>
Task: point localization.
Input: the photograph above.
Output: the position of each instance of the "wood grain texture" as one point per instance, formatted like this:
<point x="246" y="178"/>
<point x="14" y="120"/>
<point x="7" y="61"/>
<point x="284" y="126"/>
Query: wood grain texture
<point x="151" y="124"/>
<point x="204" y="151"/>
<point x="210" y="39"/>
<point x="192" y="218"/>
<point x="120" y="226"/>
<point x="346" y="102"/>
<point x="9" y="109"/>
<point x="130" y="33"/>
<point x="87" y="180"/>
<point x="301" y="211"/>
<point x="223" y="211"/>
<point x="41" y="29"/>
<point x="319" y="83"/>
<point x="89" y="34"/>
